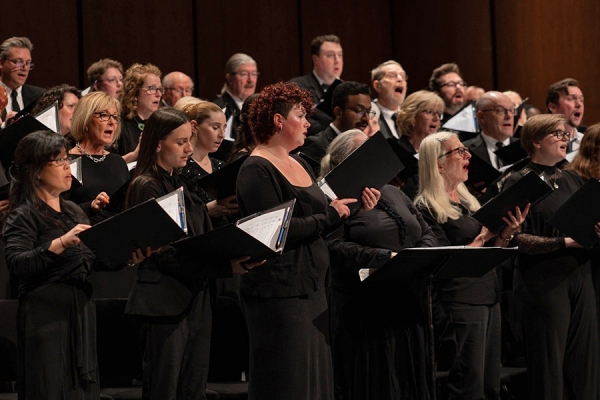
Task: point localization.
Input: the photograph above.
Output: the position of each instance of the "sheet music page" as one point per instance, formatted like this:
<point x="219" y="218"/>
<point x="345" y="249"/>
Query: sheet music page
<point x="327" y="189"/>
<point x="76" y="169"/>
<point x="131" y="165"/>
<point x="48" y="117"/>
<point x="174" y="206"/>
<point x="266" y="227"/>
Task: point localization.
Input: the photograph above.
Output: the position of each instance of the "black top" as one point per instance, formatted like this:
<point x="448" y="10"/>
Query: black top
<point x="370" y="236"/>
<point x="194" y="172"/>
<point x="28" y="236"/>
<point x="261" y="186"/>
<point x="130" y="135"/>
<point x="460" y="232"/>
<point x="163" y="286"/>
<point x="105" y="176"/>
<point x="411" y="184"/>
<point x="316" y="146"/>
<point x="543" y="257"/>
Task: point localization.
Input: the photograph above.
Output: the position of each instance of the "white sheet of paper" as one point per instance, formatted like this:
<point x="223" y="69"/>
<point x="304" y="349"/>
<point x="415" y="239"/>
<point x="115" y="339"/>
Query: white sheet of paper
<point x="76" y="169"/>
<point x="265" y="227"/>
<point x="174" y="205"/>
<point x="48" y="117"/>
<point x="464" y="121"/>
<point x="327" y="189"/>
<point x="131" y="165"/>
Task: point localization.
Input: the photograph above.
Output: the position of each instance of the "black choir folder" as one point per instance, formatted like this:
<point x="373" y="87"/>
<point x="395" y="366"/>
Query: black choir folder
<point x="260" y="236"/>
<point x="481" y="171"/>
<point x="578" y="215"/>
<point x="12" y="135"/>
<point x="221" y="183"/>
<point x="529" y="189"/>
<point x="154" y="223"/>
<point x="371" y="165"/>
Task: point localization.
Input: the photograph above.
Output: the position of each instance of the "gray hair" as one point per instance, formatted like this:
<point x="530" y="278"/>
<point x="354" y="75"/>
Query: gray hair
<point x="377" y="72"/>
<point x="232" y="65"/>
<point x="14" y="41"/>
<point x="338" y="150"/>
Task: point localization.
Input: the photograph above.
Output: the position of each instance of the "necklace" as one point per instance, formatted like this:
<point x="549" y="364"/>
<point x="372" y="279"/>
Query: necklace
<point x="545" y="177"/>
<point x="289" y="164"/>
<point x="91" y="157"/>
<point x="141" y="124"/>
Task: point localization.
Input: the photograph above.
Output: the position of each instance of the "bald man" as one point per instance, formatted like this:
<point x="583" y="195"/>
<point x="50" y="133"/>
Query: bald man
<point x="177" y="85"/>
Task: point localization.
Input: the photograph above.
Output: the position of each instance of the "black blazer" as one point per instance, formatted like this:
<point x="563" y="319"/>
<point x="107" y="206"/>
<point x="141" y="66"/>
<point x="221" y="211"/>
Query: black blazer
<point x="30" y="94"/>
<point x="319" y="120"/>
<point x="477" y="146"/>
<point x="385" y="129"/>
<point x="316" y="146"/>
<point x="228" y="103"/>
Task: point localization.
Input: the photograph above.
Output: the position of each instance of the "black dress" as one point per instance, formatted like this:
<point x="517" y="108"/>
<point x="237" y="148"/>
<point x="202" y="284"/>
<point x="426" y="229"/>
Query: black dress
<point x="104" y="176"/>
<point x="57" y="314"/>
<point x="381" y="351"/>
<point x="555" y="294"/>
<point x="466" y="314"/>
<point x="172" y="299"/>
<point x="285" y="299"/>
<point x="131" y="129"/>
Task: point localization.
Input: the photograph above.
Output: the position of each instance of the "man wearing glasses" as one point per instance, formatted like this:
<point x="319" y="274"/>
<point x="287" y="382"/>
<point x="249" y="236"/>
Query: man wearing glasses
<point x="177" y="85"/>
<point x="328" y="63"/>
<point x="351" y="105"/>
<point x="389" y="81"/>
<point x="447" y="82"/>
<point x="15" y="64"/>
<point x="565" y="97"/>
<point x="495" y="114"/>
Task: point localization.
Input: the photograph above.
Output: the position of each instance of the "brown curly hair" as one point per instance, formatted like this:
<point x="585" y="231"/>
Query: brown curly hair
<point x="132" y="83"/>
<point x="279" y="98"/>
<point x="585" y="163"/>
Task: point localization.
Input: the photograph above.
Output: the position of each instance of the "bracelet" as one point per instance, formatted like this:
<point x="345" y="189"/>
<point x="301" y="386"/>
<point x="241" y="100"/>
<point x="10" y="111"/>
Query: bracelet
<point x="508" y="239"/>
<point x="61" y="242"/>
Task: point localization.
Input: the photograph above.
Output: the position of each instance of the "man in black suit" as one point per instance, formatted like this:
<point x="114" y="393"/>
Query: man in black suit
<point x="241" y="76"/>
<point x="495" y="114"/>
<point x="389" y="81"/>
<point x="352" y="109"/>
<point x="447" y="82"/>
<point x="565" y="97"/>
<point x="328" y="63"/>
<point x="15" y="64"/>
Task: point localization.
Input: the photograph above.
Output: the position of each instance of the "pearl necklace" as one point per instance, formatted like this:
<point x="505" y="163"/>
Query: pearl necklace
<point x="94" y="159"/>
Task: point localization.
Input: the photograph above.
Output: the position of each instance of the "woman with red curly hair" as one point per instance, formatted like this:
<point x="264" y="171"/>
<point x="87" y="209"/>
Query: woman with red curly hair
<point x="285" y="301"/>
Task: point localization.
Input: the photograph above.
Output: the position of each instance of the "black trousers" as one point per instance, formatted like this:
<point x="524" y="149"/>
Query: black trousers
<point x="177" y="352"/>
<point x="469" y="347"/>
<point x="561" y="336"/>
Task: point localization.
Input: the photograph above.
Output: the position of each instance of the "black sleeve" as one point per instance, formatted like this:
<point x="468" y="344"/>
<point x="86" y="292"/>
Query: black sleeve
<point x="353" y="255"/>
<point x="436" y="228"/>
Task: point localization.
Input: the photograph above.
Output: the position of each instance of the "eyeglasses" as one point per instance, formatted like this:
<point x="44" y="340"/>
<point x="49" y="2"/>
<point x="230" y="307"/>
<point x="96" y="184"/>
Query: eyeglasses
<point x="180" y="90"/>
<point x="104" y="116"/>
<point x="396" y="75"/>
<point x="462" y="151"/>
<point x="432" y="113"/>
<point x="59" y="162"/>
<point x="361" y="113"/>
<point x="154" y="89"/>
<point x="453" y="84"/>
<point x="501" y="111"/>
<point x="20" y="64"/>
<point x="246" y="74"/>
<point x="560" y="135"/>
<point x="112" y="80"/>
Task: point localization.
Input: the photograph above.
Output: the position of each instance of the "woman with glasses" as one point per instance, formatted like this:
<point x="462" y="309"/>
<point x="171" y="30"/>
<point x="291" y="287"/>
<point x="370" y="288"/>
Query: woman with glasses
<point x="139" y="98"/>
<point x="56" y="323"/>
<point x="466" y="311"/>
<point x="106" y="76"/>
<point x="418" y="118"/>
<point x="552" y="284"/>
<point x="172" y="299"/>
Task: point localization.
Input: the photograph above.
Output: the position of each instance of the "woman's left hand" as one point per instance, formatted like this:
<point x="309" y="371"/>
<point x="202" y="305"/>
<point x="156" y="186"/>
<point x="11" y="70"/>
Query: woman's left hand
<point x="370" y="197"/>
<point x="100" y="201"/>
<point x="138" y="255"/>
<point x="514" y="221"/>
<point x="597" y="229"/>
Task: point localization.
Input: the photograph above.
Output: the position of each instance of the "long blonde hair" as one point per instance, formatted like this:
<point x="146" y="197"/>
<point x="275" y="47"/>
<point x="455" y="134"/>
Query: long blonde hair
<point x="432" y="193"/>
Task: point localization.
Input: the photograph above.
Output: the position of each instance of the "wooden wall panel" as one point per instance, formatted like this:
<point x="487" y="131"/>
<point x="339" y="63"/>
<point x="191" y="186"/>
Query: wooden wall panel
<point x="540" y="42"/>
<point x="364" y="29"/>
<point x="152" y="31"/>
<point x="266" y="30"/>
<point x="430" y="33"/>
<point x="52" y="28"/>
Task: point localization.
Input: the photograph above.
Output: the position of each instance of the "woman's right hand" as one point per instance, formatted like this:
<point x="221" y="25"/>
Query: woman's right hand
<point x="241" y="267"/>
<point x="69" y="239"/>
<point x="341" y="206"/>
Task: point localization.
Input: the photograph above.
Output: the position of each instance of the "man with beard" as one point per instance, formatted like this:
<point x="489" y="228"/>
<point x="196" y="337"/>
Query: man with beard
<point x="565" y="97"/>
<point x="328" y="63"/>
<point x="389" y="80"/>
<point x="15" y="64"/>
<point x="447" y="82"/>
<point x="351" y="105"/>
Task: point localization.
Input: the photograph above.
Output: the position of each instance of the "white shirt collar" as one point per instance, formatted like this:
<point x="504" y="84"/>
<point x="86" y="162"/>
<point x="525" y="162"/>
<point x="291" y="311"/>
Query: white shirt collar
<point x="239" y="102"/>
<point x="336" y="130"/>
